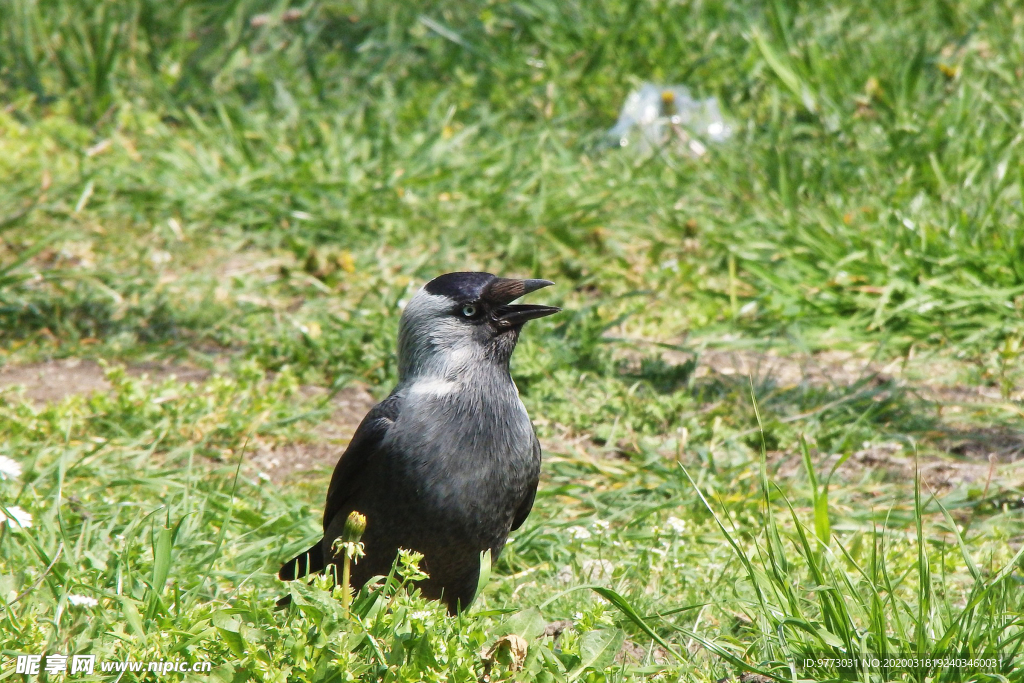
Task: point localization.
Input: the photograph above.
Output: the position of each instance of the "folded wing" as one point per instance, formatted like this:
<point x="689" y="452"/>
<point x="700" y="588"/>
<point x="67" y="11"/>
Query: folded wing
<point x="365" y="444"/>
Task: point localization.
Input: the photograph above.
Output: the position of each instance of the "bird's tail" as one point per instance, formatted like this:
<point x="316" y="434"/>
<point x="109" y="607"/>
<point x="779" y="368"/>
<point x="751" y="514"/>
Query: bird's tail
<point x="308" y="562"/>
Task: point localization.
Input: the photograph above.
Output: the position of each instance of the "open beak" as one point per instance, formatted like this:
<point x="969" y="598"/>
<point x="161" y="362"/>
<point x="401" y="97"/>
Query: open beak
<point x="503" y="291"/>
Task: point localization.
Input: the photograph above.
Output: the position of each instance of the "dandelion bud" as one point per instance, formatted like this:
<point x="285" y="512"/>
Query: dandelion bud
<point x="355" y="527"/>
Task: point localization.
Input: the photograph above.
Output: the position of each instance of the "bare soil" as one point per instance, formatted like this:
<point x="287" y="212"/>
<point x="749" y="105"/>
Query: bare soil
<point x="961" y="452"/>
<point x="55" y="380"/>
<point x="288" y="462"/>
<point x="969" y="454"/>
<point x="935" y="378"/>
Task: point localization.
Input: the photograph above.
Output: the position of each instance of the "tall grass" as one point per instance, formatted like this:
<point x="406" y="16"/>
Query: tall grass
<point x="870" y="188"/>
<point x="868" y="606"/>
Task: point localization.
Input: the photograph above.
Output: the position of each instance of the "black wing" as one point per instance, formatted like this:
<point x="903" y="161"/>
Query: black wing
<point x="531" y="494"/>
<point x="364" y="444"/>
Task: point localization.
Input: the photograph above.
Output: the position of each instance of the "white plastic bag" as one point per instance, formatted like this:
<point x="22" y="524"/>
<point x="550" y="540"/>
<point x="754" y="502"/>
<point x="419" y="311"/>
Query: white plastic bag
<point x="655" y="116"/>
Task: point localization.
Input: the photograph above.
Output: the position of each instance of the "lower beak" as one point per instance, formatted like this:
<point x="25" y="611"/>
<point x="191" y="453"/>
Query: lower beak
<point x="510" y="316"/>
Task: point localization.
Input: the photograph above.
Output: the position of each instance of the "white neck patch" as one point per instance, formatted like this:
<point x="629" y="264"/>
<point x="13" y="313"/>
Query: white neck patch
<point x="431" y="386"/>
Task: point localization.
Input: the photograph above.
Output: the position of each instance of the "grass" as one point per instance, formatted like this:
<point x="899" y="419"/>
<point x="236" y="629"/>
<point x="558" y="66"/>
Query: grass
<point x="255" y="187"/>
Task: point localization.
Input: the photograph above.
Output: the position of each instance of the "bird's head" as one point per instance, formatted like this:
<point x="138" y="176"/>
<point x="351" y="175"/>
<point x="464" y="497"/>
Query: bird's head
<point x="459" y="320"/>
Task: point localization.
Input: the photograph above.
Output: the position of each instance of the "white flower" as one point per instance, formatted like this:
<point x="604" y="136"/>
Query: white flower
<point x="578" y="533"/>
<point x="601" y="526"/>
<point x="9" y="469"/>
<point x="420" y="615"/>
<point x="82" y="600"/>
<point x="660" y="552"/>
<point x="16" y="515"/>
<point x="676" y="525"/>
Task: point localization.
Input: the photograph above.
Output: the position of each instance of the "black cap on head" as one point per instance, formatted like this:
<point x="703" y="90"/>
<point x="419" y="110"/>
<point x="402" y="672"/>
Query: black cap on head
<point x="459" y="286"/>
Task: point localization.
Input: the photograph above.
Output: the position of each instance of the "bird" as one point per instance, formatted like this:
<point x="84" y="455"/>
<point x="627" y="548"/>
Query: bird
<point x="448" y="464"/>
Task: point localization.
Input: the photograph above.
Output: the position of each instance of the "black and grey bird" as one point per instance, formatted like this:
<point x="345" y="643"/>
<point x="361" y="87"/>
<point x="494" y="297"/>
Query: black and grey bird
<point x="448" y="464"/>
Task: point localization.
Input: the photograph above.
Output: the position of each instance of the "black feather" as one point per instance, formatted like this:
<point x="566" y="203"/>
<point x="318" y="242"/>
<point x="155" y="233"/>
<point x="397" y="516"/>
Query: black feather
<point x="531" y="493"/>
<point x="308" y="562"/>
<point x="459" y="286"/>
<point x="365" y="441"/>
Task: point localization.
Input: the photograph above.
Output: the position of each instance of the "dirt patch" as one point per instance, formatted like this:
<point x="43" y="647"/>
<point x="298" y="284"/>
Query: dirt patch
<point x="1001" y="444"/>
<point x="976" y="454"/>
<point x="828" y="368"/>
<point x="970" y="433"/>
<point x="55" y="380"/>
<point x="935" y="378"/>
<point x="938" y="475"/>
<point x="288" y="462"/>
<point x="895" y="463"/>
<point x="635" y="655"/>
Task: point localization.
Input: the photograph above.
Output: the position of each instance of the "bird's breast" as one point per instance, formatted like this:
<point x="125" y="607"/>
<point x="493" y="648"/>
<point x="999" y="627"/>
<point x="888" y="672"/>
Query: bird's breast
<point x="465" y="457"/>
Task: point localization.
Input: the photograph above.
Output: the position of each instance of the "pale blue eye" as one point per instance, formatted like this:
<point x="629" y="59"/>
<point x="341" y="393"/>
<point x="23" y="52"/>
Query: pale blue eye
<point x="469" y="310"/>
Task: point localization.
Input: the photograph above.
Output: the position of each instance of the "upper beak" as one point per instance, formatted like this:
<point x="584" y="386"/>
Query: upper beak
<point x="502" y="291"/>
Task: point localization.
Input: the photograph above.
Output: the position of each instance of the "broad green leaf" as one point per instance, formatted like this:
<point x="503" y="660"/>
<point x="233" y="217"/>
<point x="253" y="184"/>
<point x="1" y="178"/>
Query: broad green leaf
<point x="598" y="650"/>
